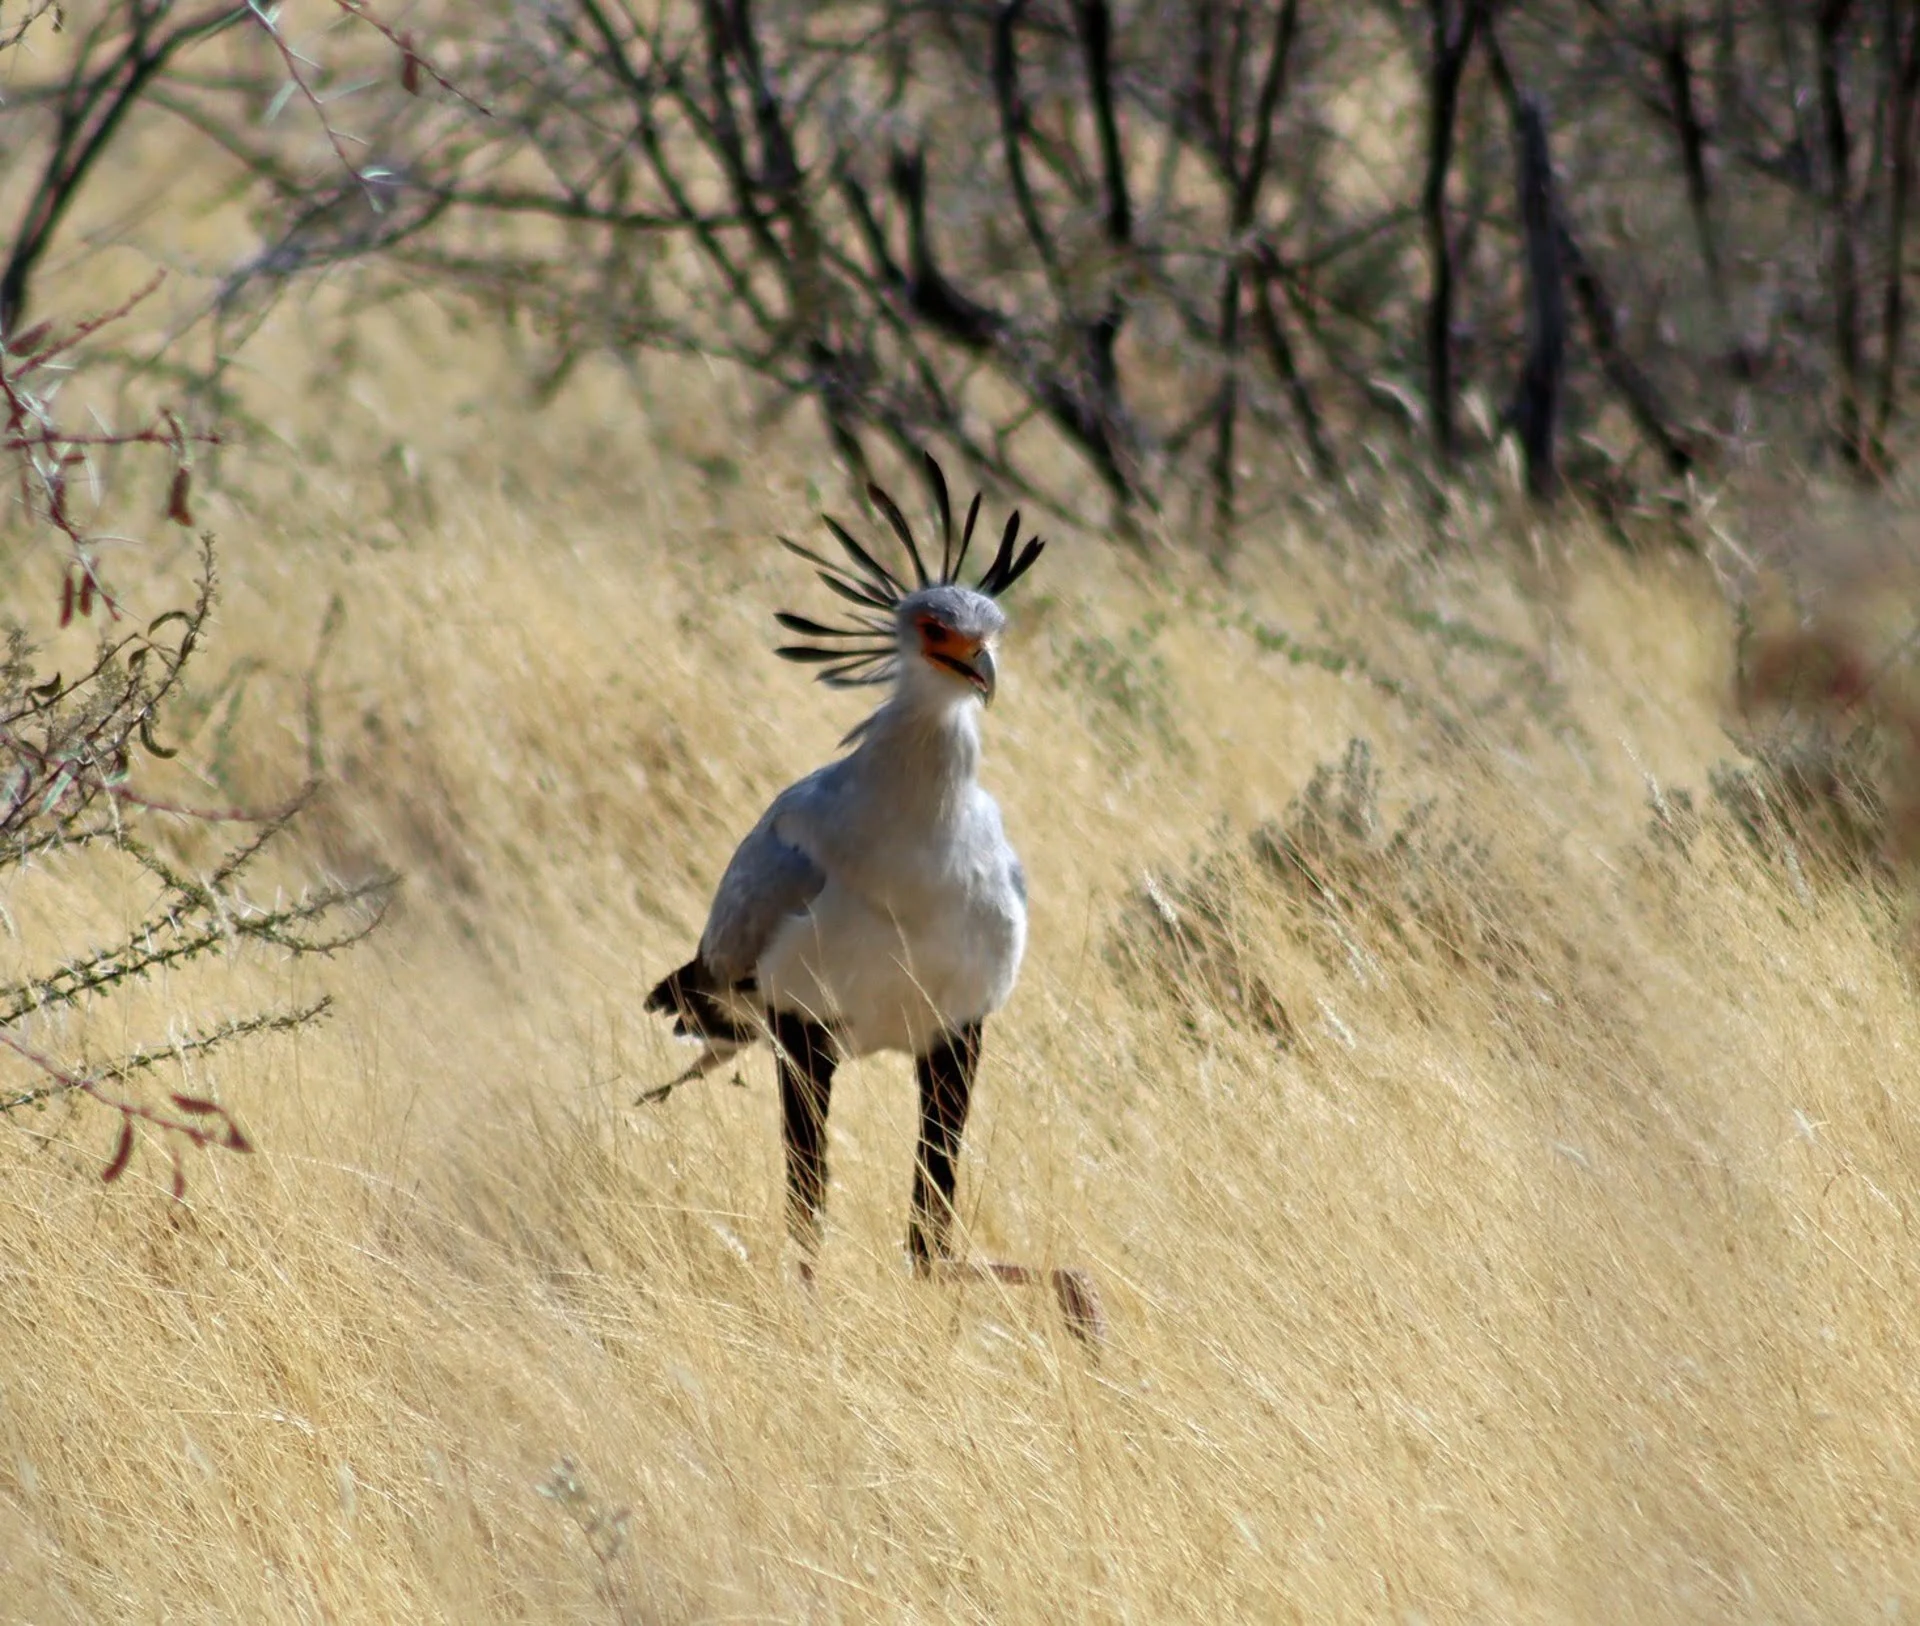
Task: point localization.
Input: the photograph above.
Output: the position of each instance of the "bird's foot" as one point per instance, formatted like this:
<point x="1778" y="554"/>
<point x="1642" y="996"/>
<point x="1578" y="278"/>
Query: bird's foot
<point x="1073" y="1290"/>
<point x="1080" y="1305"/>
<point x="713" y="1056"/>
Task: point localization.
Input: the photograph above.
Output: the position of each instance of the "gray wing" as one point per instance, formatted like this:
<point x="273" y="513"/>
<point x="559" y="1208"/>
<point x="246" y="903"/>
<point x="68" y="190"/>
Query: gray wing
<point x="770" y="877"/>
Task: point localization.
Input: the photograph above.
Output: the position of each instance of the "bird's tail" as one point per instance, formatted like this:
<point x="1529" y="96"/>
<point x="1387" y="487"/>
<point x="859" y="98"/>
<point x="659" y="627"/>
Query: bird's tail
<point x="704" y="1008"/>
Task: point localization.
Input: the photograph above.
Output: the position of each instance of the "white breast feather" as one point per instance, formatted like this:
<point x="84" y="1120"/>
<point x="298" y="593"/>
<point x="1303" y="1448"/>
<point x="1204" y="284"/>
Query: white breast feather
<point x="923" y="939"/>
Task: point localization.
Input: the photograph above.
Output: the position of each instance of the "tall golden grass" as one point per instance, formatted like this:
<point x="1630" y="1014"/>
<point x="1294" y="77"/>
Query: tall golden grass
<point x="1503" y="1192"/>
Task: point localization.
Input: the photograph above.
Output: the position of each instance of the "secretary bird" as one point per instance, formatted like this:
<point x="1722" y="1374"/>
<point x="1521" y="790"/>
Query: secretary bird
<point x="878" y="905"/>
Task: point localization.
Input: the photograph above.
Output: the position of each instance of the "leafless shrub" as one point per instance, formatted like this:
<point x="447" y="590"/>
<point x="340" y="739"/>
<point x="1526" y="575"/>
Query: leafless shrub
<point x="1816" y="808"/>
<point x="72" y="780"/>
<point x="1209" y="247"/>
<point x="1368" y="900"/>
<point x="1194" y="936"/>
<point x="1833" y="781"/>
<point x="85" y="83"/>
<point x="1425" y="887"/>
<point x="605" y="1529"/>
<point x="73" y="751"/>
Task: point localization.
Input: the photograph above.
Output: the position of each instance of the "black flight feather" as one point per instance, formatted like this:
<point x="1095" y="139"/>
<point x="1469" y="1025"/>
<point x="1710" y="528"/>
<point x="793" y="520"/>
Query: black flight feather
<point x="697" y="1001"/>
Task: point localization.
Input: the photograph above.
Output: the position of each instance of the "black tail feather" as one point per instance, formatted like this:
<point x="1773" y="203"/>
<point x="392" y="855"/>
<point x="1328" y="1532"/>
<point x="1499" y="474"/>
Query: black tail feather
<point x="695" y="999"/>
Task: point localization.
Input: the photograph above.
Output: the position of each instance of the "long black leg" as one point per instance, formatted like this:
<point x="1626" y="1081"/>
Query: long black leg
<point x="804" y="1053"/>
<point x="946" y="1087"/>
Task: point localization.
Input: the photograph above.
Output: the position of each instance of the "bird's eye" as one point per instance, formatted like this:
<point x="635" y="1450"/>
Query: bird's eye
<point x="939" y="642"/>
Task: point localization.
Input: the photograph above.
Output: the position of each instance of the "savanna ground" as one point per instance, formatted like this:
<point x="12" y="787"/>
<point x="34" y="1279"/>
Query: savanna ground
<point x="1499" y="1169"/>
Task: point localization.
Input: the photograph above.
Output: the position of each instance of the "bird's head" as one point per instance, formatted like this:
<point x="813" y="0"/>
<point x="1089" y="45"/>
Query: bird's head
<point x="921" y="627"/>
<point x="947" y="632"/>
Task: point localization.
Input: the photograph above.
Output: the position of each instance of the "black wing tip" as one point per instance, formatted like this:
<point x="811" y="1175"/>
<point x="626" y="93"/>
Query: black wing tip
<point x="672" y="992"/>
<point x="691" y="996"/>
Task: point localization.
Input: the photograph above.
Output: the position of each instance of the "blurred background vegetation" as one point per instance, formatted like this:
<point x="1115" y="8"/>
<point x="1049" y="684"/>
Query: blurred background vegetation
<point x="1209" y="254"/>
<point x="1462" y="737"/>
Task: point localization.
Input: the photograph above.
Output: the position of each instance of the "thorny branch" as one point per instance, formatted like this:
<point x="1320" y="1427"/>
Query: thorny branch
<point x="69" y="755"/>
<point x="129" y="55"/>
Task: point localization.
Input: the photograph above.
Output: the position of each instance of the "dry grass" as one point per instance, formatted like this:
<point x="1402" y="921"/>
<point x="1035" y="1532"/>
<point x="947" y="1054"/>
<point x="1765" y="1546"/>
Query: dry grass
<point x="1504" y="1213"/>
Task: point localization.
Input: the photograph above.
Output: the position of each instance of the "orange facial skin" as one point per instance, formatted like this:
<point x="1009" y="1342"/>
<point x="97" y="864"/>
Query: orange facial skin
<point x="960" y="655"/>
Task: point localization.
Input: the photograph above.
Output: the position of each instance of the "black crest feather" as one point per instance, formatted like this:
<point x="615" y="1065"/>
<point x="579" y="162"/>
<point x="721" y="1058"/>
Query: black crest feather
<point x="861" y="651"/>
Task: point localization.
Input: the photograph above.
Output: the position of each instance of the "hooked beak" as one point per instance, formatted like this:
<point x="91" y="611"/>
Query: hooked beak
<point x="977" y="668"/>
<point x="981" y="674"/>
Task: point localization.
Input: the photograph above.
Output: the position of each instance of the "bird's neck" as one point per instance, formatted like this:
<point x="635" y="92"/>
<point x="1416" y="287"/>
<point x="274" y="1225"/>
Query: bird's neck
<point x="926" y="747"/>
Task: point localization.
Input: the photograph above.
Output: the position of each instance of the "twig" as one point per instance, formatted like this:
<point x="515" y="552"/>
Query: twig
<point x="1246" y="182"/>
<point x="1452" y="27"/>
<point x="1901" y="135"/>
<point x="195" y="1119"/>
<point x="143" y="1059"/>
<point x="413" y="61"/>
<point x="295" y="63"/>
<point x="1633" y="386"/>
<point x="1855" y="443"/>
<point x="1535" y="411"/>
